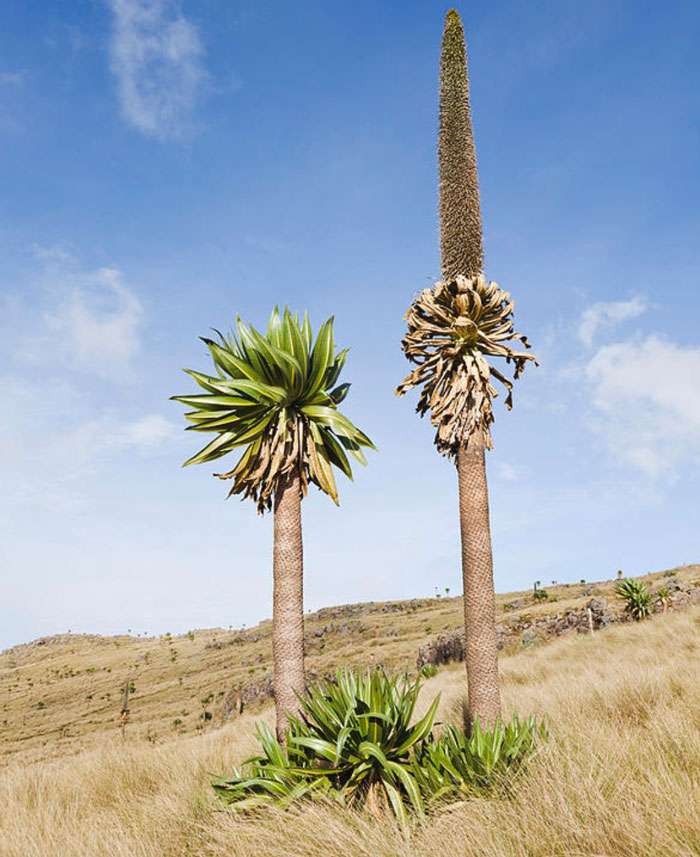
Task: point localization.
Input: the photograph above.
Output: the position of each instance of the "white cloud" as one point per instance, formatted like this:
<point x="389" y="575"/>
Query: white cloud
<point x="11" y="78"/>
<point x="88" y="442"/>
<point x="155" y="55"/>
<point x="58" y="424"/>
<point x="646" y="395"/>
<point x="51" y="463"/>
<point x="98" y="321"/>
<point x="144" y="434"/>
<point x="507" y="472"/>
<point x="55" y="256"/>
<point x="90" y="320"/>
<point x="605" y="314"/>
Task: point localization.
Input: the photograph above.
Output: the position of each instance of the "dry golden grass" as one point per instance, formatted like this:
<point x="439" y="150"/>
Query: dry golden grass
<point x="621" y="777"/>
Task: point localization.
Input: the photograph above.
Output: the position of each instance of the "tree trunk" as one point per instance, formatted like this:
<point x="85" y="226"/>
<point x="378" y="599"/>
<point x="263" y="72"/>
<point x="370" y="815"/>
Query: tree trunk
<point x="288" y="603"/>
<point x="481" y="654"/>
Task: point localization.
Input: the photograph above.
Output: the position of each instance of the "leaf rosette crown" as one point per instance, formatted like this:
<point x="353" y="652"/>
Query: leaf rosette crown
<point x="276" y="396"/>
<point x="452" y="328"/>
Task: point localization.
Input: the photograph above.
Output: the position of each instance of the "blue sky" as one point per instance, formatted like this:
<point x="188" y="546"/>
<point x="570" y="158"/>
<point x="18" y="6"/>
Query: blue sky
<point x="165" y="165"/>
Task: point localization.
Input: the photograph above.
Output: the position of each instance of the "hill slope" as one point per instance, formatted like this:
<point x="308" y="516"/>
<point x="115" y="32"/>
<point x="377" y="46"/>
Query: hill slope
<point x="63" y="694"/>
<point x="620" y="776"/>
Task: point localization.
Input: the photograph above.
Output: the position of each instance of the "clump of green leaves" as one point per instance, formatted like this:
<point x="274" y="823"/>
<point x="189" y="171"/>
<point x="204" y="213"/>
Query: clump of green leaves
<point x="637" y="598"/>
<point x="352" y="743"/>
<point x="455" y="766"/>
<point x="428" y="671"/>
<point x="275" y="398"/>
<point x="355" y="743"/>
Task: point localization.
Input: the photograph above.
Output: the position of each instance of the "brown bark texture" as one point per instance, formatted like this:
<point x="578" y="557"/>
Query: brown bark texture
<point x="481" y="647"/>
<point x="288" y="602"/>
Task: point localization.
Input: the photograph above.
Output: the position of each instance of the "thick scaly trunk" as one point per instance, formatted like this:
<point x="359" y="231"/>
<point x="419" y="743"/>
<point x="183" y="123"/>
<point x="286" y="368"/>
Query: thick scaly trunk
<point x="481" y="654"/>
<point x="288" y="603"/>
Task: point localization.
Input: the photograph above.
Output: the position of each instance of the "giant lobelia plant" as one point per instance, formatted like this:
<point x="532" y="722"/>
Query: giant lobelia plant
<point x="356" y="742"/>
<point x="353" y="743"/>
<point x="637" y="598"/>
<point x="275" y="398"/>
<point x="455" y="329"/>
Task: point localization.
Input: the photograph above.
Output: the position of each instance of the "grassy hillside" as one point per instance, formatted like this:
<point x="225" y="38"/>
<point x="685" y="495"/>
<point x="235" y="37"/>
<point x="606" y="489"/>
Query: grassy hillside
<point x="620" y="777"/>
<point x="61" y="695"/>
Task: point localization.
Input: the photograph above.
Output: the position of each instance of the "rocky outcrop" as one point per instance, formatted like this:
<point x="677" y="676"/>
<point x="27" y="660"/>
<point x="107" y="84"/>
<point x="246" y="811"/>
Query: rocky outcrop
<point x="249" y="694"/>
<point x="444" y="649"/>
<point x="523" y="631"/>
<point x="260" y="691"/>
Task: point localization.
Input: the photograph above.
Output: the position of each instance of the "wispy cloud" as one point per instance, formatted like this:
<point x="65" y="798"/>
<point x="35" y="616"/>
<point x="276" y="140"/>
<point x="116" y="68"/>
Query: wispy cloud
<point x="509" y="472"/>
<point x="144" y="434"/>
<point x="89" y="320"/>
<point x="86" y="443"/>
<point x="605" y="314"/>
<point x="98" y="320"/>
<point x="648" y="409"/>
<point x="11" y="78"/>
<point x="156" y="57"/>
<point x="57" y="424"/>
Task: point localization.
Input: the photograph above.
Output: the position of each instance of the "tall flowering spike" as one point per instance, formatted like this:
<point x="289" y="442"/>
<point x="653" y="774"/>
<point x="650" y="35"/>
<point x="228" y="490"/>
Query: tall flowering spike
<point x="460" y="212"/>
<point x="463" y="320"/>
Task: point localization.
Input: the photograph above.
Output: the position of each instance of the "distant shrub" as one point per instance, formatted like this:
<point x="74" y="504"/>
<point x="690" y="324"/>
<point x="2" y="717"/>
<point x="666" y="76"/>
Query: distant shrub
<point x="540" y="595"/>
<point x="637" y="598"/>
<point x="428" y="671"/>
<point x="664" y="596"/>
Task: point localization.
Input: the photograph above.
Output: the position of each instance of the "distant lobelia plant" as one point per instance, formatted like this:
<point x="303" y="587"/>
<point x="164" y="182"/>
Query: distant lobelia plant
<point x="637" y="598"/>
<point x="275" y="398"/>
